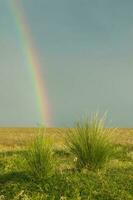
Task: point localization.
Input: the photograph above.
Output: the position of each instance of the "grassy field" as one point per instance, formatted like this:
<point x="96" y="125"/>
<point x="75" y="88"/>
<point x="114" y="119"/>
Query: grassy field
<point x="112" y="182"/>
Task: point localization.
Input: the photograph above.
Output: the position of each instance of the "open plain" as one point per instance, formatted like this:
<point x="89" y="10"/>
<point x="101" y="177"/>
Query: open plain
<point x="113" y="182"/>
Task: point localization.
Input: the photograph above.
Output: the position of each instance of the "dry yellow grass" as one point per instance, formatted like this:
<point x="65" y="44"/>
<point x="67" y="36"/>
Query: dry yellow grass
<point x="12" y="138"/>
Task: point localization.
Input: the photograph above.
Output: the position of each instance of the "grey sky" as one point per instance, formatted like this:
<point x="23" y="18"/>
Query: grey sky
<point x="86" y="54"/>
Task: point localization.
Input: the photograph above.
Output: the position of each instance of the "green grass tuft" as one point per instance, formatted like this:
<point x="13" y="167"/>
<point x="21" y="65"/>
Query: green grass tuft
<point x="90" y="143"/>
<point x="39" y="157"/>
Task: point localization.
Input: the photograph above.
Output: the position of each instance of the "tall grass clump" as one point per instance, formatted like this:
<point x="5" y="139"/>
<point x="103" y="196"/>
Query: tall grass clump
<point x="39" y="156"/>
<point x="90" y="143"/>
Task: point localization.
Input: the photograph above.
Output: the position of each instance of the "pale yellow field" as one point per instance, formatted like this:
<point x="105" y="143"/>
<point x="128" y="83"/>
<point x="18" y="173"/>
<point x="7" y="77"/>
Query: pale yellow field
<point x="14" y="138"/>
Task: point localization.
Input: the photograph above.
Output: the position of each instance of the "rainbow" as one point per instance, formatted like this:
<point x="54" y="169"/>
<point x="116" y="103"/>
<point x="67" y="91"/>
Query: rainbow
<point x="32" y="62"/>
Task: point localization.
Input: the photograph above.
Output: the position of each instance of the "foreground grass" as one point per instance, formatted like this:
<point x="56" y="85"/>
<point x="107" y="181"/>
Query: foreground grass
<point x="90" y="143"/>
<point x="113" y="182"/>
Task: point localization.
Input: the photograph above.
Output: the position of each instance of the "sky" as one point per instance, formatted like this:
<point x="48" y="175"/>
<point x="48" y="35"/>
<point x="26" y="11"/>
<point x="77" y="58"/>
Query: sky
<point x="85" y="48"/>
